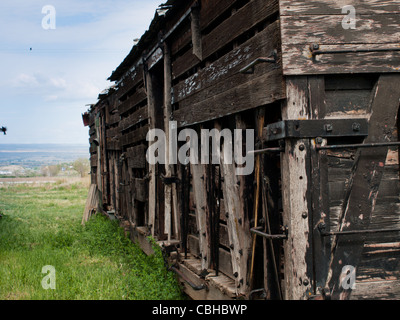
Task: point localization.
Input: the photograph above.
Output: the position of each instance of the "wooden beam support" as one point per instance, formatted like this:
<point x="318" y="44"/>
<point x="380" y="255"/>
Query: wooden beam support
<point x="295" y="197"/>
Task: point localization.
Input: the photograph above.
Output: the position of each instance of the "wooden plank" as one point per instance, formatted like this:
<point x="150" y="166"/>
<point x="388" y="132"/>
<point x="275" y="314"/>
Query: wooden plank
<point x="242" y="20"/>
<point x="200" y="197"/>
<point x="322" y="7"/>
<point x="371" y="29"/>
<point x="196" y="33"/>
<point x="297" y="60"/>
<point x="134" y="136"/>
<point x="261" y="45"/>
<point x="237" y="221"/>
<point x="134" y="118"/>
<point x="151" y="102"/>
<point x="138" y="97"/>
<point x="262" y="90"/>
<point x="364" y="184"/>
<point x="211" y="10"/>
<point x="137" y="157"/>
<point x="295" y="197"/>
<point x="132" y="79"/>
<point x="377" y="290"/>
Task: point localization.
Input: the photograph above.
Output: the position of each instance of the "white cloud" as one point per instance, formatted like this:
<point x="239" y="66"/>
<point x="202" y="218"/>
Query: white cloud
<point x="66" y="67"/>
<point x="25" y="80"/>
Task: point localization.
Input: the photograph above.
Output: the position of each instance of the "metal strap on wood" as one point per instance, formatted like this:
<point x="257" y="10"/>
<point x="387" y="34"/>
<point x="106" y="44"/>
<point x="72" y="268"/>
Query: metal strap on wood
<point x="315" y="51"/>
<point x="249" y="69"/>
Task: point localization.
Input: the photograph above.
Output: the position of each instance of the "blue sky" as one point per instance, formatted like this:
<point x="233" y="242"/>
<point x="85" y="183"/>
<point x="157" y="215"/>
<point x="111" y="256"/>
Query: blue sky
<point x="48" y="76"/>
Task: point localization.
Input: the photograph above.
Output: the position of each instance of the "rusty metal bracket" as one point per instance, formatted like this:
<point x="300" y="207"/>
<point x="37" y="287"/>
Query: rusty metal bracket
<point x="249" y="69"/>
<point x="325" y="128"/>
<point x="258" y="232"/>
<point x="315" y="50"/>
<point x="187" y="280"/>
<point x="365" y="145"/>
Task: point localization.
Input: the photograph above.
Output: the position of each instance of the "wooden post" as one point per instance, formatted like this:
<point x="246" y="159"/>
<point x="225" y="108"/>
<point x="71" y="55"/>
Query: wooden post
<point x="237" y="221"/>
<point x="196" y="32"/>
<point x="295" y="196"/>
<point x="167" y="116"/>
<point x="152" y="167"/>
<point x="200" y="195"/>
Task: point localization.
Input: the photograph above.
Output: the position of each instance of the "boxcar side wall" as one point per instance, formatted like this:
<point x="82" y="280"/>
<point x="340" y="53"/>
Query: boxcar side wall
<point x="313" y="89"/>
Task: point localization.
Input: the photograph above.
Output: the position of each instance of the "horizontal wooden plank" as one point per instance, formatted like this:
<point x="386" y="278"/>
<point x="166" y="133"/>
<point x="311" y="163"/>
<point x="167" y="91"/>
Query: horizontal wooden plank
<point x="93" y="160"/>
<point x="297" y="60"/>
<point x="137" y="157"/>
<point x="138" y="116"/>
<point x="131" y="80"/>
<point x="348" y="101"/>
<point x="138" y="97"/>
<point x="327" y="29"/>
<point x="113" y="144"/>
<point x="320" y="7"/>
<point x="262" y="90"/>
<point x="211" y="10"/>
<point x="113" y="119"/>
<point x="261" y="45"/>
<point x="373" y="31"/>
<point x="376" y="290"/>
<point x="134" y="136"/>
<point x="241" y="21"/>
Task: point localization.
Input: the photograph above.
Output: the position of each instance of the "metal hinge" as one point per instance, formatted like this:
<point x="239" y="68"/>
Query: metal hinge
<point x="316" y="128"/>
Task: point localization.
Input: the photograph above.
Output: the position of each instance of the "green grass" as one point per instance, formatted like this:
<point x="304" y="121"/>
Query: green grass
<point x="41" y="226"/>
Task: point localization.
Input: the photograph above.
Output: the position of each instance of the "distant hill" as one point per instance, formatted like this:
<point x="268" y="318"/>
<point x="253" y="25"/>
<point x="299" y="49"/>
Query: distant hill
<point x="32" y="156"/>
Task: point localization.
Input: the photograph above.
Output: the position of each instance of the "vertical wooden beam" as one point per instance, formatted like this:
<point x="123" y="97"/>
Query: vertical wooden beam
<point x="167" y="117"/>
<point x="199" y="177"/>
<point x="295" y="196"/>
<point x="152" y="168"/>
<point x="196" y="32"/>
<point x="237" y="221"/>
<point x="320" y="187"/>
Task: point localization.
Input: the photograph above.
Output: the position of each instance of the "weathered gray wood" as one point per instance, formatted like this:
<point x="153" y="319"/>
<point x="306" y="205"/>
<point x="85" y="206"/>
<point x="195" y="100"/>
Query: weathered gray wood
<point x="138" y="97"/>
<point x="133" y="119"/>
<point x="134" y="136"/>
<point x="322" y="7"/>
<point x="196" y="33"/>
<point x="131" y="80"/>
<point x="137" y="157"/>
<point x="152" y="167"/>
<point x="373" y="31"/>
<point x="242" y="20"/>
<point x="377" y="290"/>
<point x="261" y="45"/>
<point x="295" y="198"/>
<point x="259" y="91"/>
<point x="237" y="222"/>
<point x="200" y="198"/>
<point x="364" y="182"/>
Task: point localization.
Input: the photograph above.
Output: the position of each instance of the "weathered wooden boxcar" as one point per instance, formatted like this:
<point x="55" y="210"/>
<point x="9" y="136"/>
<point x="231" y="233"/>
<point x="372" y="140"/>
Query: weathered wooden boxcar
<point x="318" y="82"/>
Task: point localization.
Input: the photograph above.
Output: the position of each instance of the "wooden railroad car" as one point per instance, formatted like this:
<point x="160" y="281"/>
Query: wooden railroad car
<point x="309" y="90"/>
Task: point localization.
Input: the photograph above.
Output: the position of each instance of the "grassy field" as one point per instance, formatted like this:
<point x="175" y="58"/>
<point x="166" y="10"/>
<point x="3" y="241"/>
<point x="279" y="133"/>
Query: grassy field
<point x="41" y="226"/>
